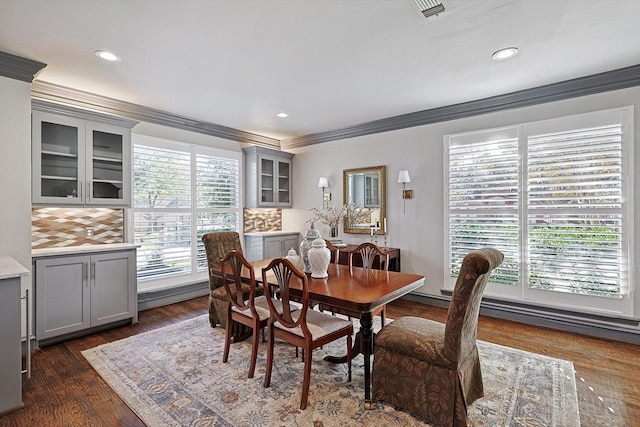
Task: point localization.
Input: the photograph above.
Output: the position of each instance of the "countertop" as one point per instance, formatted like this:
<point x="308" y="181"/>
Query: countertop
<point x="10" y="268"/>
<point x="70" y="250"/>
<point x="271" y="233"/>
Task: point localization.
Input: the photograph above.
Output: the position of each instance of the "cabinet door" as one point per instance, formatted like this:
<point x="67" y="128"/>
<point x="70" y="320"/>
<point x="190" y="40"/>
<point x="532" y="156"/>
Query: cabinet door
<point x="62" y="296"/>
<point x="267" y="172"/>
<point x="289" y="242"/>
<point x="108" y="165"/>
<point x="273" y="247"/>
<point x="284" y="183"/>
<point x="113" y="289"/>
<point x="58" y="153"/>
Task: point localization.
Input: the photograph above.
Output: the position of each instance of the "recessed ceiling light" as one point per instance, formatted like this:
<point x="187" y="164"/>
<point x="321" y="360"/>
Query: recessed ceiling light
<point x="107" y="56"/>
<point x="506" y="53"/>
<point x="282" y="115"/>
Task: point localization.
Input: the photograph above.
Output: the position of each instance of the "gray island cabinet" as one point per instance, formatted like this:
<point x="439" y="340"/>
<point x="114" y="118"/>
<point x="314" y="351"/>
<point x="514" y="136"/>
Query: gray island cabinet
<point x="10" y="324"/>
<point x="81" y="289"/>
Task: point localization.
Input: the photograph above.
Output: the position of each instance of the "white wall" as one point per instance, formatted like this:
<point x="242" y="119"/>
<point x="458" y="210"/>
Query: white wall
<point x="15" y="173"/>
<point x="419" y="233"/>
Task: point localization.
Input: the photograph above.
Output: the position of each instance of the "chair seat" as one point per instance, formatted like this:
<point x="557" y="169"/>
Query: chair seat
<point x="319" y="324"/>
<point x="418" y="338"/>
<point x="262" y="307"/>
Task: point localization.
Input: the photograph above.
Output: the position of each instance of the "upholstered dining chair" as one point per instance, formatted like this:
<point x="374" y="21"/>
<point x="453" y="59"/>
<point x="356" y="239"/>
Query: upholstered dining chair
<point x="368" y="252"/>
<point x="252" y="312"/>
<point x="431" y="369"/>
<point x="305" y="328"/>
<point x="217" y="245"/>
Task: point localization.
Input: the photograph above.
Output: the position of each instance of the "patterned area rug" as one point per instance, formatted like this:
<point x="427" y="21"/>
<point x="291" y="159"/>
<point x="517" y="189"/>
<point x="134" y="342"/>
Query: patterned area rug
<point x="174" y="376"/>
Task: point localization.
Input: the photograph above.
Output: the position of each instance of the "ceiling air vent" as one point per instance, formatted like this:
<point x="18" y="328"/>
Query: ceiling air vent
<point x="430" y="7"/>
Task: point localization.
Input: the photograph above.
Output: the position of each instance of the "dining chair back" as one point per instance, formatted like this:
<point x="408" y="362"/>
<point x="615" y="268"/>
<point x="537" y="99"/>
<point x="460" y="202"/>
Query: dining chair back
<point x="334" y="251"/>
<point x="369" y="253"/>
<point x="305" y="328"/>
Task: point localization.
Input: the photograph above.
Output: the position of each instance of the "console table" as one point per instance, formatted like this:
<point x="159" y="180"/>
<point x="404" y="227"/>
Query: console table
<point x="394" y="257"/>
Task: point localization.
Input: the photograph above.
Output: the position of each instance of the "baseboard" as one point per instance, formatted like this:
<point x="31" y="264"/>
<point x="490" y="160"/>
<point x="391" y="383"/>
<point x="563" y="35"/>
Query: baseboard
<point x="625" y="330"/>
<point x="153" y="299"/>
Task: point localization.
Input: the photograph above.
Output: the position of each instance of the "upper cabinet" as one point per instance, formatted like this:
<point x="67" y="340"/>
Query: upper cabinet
<point x="268" y="176"/>
<point x="80" y="158"/>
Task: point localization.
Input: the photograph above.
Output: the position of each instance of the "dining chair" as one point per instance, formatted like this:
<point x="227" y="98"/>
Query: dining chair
<point x="334" y="251"/>
<point x="367" y="253"/>
<point x="252" y="312"/>
<point x="217" y="245"/>
<point x="305" y="328"/>
<point x="431" y="369"/>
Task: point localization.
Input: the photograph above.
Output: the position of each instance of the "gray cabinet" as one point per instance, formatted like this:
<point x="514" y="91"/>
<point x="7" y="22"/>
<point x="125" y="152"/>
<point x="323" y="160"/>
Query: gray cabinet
<point x="258" y="247"/>
<point x="74" y="293"/>
<point x="81" y="162"/>
<point x="10" y="320"/>
<point x="268" y="177"/>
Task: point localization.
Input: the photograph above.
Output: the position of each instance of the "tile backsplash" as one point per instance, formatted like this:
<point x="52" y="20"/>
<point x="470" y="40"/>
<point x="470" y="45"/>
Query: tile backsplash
<point x="59" y="227"/>
<point x="260" y="219"/>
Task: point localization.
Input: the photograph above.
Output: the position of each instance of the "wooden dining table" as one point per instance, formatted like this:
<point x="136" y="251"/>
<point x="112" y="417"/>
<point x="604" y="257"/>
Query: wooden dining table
<point x="356" y="292"/>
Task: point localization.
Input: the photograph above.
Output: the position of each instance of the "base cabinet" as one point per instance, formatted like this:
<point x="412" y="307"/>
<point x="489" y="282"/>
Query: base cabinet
<point x="74" y="293"/>
<point x="262" y="247"/>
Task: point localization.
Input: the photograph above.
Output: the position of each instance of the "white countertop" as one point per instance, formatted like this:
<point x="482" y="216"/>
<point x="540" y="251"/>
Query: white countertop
<point x="10" y="268"/>
<point x="69" y="250"/>
<point x="271" y="233"/>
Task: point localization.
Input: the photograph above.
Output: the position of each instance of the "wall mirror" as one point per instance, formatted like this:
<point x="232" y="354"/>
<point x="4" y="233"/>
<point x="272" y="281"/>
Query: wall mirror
<point x="366" y="188"/>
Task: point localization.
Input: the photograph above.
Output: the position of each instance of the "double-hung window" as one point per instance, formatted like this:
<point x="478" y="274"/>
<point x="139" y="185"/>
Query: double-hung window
<point x="180" y="193"/>
<point x="555" y="198"/>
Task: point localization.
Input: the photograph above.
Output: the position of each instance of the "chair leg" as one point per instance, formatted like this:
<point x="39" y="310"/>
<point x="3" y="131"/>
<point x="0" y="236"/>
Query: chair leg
<point x="227" y="339"/>
<point x="349" y="356"/>
<point x="270" y="346"/>
<point x="306" y="382"/>
<point x="383" y="315"/>
<point x="254" y="349"/>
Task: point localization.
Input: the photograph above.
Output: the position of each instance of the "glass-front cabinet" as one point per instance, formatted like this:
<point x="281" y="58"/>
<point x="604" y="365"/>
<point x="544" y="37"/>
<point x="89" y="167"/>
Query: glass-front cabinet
<point x="80" y="162"/>
<point x="268" y="177"/>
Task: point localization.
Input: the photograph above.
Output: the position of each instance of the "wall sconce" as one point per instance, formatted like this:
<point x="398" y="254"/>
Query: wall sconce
<point x="403" y="178"/>
<point x="326" y="197"/>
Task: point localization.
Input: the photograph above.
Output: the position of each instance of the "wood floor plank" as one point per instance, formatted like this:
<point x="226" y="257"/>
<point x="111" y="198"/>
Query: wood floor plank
<point x="65" y="391"/>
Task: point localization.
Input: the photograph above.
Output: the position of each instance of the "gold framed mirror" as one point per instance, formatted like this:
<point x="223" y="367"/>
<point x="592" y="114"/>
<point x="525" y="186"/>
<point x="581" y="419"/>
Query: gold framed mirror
<point x="366" y="188"/>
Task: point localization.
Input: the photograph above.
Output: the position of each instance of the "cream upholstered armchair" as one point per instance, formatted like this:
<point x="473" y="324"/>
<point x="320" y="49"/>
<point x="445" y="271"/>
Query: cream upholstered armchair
<point x="430" y="369"/>
<point x="217" y="245"/>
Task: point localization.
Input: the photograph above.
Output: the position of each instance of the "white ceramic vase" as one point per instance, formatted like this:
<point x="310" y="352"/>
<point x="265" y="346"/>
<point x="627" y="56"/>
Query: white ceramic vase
<point x="293" y="257"/>
<point x="319" y="258"/>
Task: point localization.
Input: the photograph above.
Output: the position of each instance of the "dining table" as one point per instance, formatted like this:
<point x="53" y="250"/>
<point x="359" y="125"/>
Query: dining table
<point x="355" y="292"/>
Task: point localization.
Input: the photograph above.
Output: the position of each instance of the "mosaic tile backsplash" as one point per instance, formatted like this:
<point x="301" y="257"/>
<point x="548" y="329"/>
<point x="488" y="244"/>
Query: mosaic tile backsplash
<point x="59" y="227"/>
<point x="256" y="220"/>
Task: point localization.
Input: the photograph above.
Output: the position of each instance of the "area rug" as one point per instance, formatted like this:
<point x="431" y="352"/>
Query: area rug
<point x="174" y="376"/>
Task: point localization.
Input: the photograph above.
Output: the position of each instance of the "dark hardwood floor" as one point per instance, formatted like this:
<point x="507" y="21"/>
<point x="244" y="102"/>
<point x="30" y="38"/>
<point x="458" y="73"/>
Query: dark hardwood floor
<point x="65" y="391"/>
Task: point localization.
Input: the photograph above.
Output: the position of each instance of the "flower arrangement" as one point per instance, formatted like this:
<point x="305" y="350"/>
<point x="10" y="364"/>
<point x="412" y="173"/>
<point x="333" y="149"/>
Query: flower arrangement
<point x="332" y="215"/>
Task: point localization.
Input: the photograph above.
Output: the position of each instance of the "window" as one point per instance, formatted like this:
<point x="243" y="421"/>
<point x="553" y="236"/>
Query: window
<point x="180" y="193"/>
<point x="554" y="197"/>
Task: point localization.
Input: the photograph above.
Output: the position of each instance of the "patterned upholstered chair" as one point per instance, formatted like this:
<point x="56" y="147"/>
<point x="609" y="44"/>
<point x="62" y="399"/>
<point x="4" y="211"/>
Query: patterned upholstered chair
<point x="217" y="245"/>
<point x="430" y="369"/>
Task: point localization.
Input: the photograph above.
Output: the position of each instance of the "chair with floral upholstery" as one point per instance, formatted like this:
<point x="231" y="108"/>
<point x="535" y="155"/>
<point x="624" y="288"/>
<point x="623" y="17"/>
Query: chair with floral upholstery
<point x="431" y="369"/>
<point x="217" y="245"/>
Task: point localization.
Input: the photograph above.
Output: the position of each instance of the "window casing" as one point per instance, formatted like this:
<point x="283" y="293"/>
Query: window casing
<point x="555" y="197"/>
<point x="180" y="193"/>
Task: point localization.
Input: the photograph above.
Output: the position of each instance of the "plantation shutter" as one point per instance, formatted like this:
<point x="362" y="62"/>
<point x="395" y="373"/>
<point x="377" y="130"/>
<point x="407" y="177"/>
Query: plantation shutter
<point x="218" y="198"/>
<point x="483" y="199"/>
<point x="162" y="210"/>
<point x="574" y="181"/>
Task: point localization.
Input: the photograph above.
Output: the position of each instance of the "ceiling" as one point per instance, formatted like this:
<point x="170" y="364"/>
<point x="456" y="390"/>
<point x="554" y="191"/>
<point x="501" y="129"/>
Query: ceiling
<point x="329" y="64"/>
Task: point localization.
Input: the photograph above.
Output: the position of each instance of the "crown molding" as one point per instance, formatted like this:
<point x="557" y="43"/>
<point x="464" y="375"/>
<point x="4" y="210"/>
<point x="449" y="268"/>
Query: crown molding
<point x="18" y="68"/>
<point x="51" y="93"/>
<point x="603" y="82"/>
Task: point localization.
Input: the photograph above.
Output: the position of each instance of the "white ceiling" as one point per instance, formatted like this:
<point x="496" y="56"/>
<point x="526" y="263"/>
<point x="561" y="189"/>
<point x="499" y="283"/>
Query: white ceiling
<point x="328" y="63"/>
